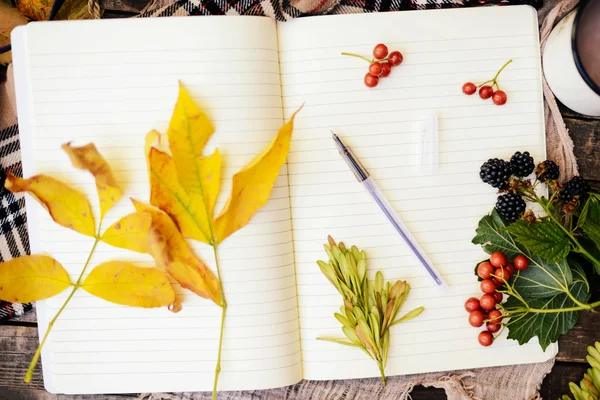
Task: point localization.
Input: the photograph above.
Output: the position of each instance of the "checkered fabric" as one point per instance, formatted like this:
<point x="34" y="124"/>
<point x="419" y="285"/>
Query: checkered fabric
<point x="13" y="234"/>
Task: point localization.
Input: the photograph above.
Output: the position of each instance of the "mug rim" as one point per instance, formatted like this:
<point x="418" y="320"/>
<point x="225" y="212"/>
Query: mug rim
<point x="576" y="58"/>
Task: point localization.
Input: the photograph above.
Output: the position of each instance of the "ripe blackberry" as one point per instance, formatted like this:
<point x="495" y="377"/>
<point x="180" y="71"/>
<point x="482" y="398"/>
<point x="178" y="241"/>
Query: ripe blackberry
<point x="547" y="170"/>
<point x="496" y="172"/>
<point x="510" y="206"/>
<point x="522" y="164"/>
<point x="577" y="186"/>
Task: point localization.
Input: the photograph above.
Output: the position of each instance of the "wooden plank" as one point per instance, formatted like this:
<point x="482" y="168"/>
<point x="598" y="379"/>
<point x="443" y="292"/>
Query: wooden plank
<point x="37" y="394"/>
<point x="586" y="137"/>
<point x="17" y="346"/>
<point x="572" y="346"/>
<point x="568" y="113"/>
<point x="557" y="382"/>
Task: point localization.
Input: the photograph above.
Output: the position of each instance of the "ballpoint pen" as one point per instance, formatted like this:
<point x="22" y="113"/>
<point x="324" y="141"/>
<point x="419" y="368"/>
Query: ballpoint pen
<point x="362" y="175"/>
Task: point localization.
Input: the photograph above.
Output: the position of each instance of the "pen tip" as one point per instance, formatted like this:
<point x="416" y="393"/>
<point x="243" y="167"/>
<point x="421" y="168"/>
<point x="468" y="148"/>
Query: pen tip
<point x="333" y="135"/>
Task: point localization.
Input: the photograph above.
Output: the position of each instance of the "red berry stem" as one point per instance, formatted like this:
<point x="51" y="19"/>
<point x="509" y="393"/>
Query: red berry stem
<point x="500" y="70"/>
<point x="369" y="60"/>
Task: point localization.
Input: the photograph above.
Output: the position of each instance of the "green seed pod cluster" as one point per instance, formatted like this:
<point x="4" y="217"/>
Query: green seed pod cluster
<point x="589" y="387"/>
<point x="370" y="308"/>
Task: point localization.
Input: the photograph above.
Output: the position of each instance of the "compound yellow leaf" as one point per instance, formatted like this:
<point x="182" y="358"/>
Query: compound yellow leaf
<point x="67" y="206"/>
<point x="124" y="283"/>
<point x="187" y="210"/>
<point x="87" y="157"/>
<point x="130" y="232"/>
<point x="169" y="249"/>
<point x="252" y="185"/>
<point x="32" y="278"/>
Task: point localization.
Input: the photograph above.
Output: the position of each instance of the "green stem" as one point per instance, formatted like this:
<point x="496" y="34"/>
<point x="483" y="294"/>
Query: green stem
<point x="582" y="307"/>
<point x="369" y="60"/>
<point x="223" y="312"/>
<point x="383" y="378"/>
<point x="500" y="70"/>
<point x="76" y="286"/>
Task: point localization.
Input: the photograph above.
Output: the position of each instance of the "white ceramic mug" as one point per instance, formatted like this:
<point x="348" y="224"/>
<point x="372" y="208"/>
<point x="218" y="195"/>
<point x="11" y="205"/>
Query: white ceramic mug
<point x="571" y="59"/>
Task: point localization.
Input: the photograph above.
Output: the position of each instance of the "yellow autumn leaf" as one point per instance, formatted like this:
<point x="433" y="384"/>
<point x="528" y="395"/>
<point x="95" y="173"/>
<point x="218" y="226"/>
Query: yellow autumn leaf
<point x="124" y="283"/>
<point x="67" y="206"/>
<point x="32" y="278"/>
<point x="130" y="232"/>
<point x="87" y="157"/>
<point x="169" y="249"/>
<point x="252" y="185"/>
<point x="187" y="210"/>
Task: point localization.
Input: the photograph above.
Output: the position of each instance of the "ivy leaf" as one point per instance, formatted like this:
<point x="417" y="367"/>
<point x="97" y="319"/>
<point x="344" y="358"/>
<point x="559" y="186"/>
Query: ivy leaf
<point x="492" y="237"/>
<point x="32" y="278"/>
<point x="89" y="158"/>
<point x="543" y="239"/>
<point x="547" y="326"/>
<point x="67" y="206"/>
<point x="543" y="279"/>
<point x="126" y="284"/>
<point x="170" y="250"/>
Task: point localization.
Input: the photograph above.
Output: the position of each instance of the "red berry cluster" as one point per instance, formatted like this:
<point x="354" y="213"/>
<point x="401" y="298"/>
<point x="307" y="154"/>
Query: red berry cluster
<point x="381" y="65"/>
<point x="494" y="273"/>
<point x="486" y="90"/>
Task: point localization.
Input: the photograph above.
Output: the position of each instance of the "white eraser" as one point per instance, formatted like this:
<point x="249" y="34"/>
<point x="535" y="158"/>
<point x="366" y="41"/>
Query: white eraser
<point x="428" y="145"/>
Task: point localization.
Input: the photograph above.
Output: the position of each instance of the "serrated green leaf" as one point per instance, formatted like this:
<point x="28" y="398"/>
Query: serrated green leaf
<point x="544" y="239"/>
<point x="589" y="221"/>
<point x="547" y="326"/>
<point x="492" y="237"/>
<point x="543" y="279"/>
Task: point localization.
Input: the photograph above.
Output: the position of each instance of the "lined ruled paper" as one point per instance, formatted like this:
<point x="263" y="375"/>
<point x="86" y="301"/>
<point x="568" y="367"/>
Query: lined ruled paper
<point x="113" y="93"/>
<point x="382" y="126"/>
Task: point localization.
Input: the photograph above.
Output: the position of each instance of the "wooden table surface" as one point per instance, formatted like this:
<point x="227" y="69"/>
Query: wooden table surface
<point x="19" y="338"/>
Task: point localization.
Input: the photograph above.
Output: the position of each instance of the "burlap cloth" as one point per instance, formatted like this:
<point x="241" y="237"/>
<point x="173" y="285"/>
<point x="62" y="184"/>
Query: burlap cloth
<point x="506" y="383"/>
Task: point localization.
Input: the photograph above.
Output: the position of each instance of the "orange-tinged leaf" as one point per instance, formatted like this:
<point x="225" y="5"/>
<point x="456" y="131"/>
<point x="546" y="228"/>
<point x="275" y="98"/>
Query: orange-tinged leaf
<point x="87" y="157"/>
<point x="124" y="283"/>
<point x="151" y="137"/>
<point x="67" y="206"/>
<point x="32" y="278"/>
<point x="187" y="210"/>
<point x="252" y="185"/>
<point x="168" y="247"/>
<point x="130" y="232"/>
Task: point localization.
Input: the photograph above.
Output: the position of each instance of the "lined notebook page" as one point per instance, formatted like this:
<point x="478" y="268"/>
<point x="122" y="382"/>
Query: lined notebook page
<point x="382" y="125"/>
<point x="112" y="93"/>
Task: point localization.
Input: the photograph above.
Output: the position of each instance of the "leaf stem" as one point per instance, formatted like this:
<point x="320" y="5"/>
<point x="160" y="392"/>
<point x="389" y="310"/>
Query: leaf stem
<point x="76" y="286"/>
<point x="383" y="378"/>
<point x="223" y="312"/>
<point x="369" y="60"/>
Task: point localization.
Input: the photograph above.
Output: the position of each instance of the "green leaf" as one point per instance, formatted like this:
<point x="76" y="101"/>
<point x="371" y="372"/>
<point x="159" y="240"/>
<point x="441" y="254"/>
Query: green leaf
<point x="547" y="326"/>
<point x="336" y="340"/>
<point x="492" y="237"/>
<point x="543" y="239"/>
<point x="542" y="279"/>
<point x="589" y="222"/>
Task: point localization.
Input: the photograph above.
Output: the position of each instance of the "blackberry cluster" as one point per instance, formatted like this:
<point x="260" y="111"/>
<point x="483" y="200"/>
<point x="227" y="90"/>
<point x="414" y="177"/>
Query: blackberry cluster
<point x="496" y="172"/>
<point x="547" y="170"/>
<point x="522" y="164"/>
<point x="577" y="186"/>
<point x="510" y="206"/>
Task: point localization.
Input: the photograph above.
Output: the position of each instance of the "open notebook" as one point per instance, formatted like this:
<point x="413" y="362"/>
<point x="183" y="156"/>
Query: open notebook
<point x="112" y="81"/>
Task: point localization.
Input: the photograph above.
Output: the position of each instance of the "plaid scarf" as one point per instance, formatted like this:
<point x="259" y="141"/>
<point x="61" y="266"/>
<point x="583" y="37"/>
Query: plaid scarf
<point x="14" y="240"/>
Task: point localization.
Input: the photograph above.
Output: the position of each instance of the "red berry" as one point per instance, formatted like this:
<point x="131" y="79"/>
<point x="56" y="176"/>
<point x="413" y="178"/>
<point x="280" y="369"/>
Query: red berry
<point x="499" y="98"/>
<point x="486" y="338"/>
<point x="371" y="80"/>
<point x="502" y="274"/>
<point x="395" y="58"/>
<point x="498" y="259"/>
<point x="492" y="327"/>
<point x="375" y="69"/>
<point x="387" y="69"/>
<point x="521" y="262"/>
<point x="488" y="286"/>
<point x="472" y="304"/>
<point x="495" y="316"/>
<point x="380" y="51"/>
<point x="487" y="302"/>
<point x="485" y="270"/>
<point x="476" y="319"/>
<point x="498" y="296"/>
<point x="469" y="88"/>
<point x="510" y="267"/>
<point x="485" y="92"/>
